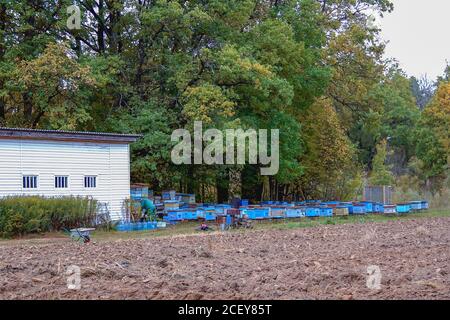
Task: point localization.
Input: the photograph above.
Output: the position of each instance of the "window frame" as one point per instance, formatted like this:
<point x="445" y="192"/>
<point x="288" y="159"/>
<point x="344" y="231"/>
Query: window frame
<point x="67" y="177"/>
<point x="27" y="186"/>
<point x="86" y="180"/>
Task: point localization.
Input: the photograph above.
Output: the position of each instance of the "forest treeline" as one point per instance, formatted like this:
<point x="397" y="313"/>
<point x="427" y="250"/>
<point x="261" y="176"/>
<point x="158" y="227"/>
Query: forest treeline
<point x="312" y="68"/>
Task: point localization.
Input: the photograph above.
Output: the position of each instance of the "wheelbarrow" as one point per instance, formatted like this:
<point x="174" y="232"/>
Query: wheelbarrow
<point x="81" y="234"/>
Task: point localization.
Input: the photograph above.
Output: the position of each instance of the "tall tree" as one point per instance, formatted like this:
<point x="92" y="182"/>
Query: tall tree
<point x="49" y="90"/>
<point x="433" y="137"/>
<point x="423" y="90"/>
<point x="381" y="174"/>
<point x="329" y="160"/>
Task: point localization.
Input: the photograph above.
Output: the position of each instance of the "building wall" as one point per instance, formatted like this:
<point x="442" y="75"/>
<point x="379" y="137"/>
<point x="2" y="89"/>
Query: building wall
<point x="47" y="159"/>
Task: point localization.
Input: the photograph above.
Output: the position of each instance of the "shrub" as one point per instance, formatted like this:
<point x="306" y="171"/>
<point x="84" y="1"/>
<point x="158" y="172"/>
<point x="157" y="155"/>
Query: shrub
<point x="437" y="200"/>
<point x="133" y="211"/>
<point x="22" y="215"/>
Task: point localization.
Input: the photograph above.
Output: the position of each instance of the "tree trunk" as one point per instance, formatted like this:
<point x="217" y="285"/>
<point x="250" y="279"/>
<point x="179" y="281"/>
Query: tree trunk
<point x="78" y="48"/>
<point x="190" y="180"/>
<point x="101" y="27"/>
<point x="2" y="111"/>
<point x="265" y="194"/>
<point x="222" y="191"/>
<point x="115" y="36"/>
<point x="27" y="109"/>
<point x="3" y="24"/>
<point x="235" y="189"/>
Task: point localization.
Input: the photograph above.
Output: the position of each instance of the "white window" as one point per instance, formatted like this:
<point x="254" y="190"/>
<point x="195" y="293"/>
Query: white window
<point x="90" y="182"/>
<point x="30" y="182"/>
<point x="61" y="182"/>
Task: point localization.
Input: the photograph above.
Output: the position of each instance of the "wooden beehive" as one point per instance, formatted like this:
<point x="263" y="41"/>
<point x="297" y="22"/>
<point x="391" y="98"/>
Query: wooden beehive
<point x="341" y="211"/>
<point x="171" y="204"/>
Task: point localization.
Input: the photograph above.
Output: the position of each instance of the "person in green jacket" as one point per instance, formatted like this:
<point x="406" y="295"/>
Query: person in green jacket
<point x="148" y="210"/>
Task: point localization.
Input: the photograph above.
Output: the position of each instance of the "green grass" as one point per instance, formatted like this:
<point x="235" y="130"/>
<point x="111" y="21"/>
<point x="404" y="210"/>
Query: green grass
<point x="314" y="222"/>
<point x="188" y="228"/>
<point x="184" y="228"/>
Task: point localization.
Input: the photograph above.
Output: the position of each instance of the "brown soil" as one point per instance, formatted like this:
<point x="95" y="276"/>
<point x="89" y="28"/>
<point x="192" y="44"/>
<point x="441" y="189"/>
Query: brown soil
<point x="327" y="262"/>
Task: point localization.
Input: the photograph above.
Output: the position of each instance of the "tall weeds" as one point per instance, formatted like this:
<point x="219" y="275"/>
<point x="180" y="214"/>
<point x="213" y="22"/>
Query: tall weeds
<point x="22" y="215"/>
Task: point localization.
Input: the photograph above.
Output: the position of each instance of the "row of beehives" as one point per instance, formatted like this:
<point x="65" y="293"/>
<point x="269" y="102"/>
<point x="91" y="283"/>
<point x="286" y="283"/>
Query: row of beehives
<point x="294" y="210"/>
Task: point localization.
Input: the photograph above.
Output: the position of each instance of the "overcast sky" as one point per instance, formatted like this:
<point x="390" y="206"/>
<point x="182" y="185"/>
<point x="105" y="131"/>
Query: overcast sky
<point x="419" y="35"/>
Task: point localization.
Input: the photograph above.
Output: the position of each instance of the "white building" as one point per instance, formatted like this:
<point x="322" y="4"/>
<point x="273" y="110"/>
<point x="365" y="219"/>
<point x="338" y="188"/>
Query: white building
<point x="63" y="163"/>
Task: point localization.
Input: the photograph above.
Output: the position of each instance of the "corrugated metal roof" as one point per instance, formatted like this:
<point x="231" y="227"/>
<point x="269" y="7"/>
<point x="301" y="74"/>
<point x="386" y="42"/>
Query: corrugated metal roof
<point x="41" y="133"/>
<point x="70" y="132"/>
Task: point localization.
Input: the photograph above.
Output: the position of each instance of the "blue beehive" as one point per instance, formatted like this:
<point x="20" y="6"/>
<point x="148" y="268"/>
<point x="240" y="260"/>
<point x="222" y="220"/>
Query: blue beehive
<point x="403" y="208"/>
<point x="416" y="205"/>
<point x="206" y="205"/>
<point x="292" y="213"/>
<point x="277" y="212"/>
<point x="122" y="227"/>
<point x="369" y="206"/>
<point x="150" y="225"/>
<point x="326" y="212"/>
<point x="169" y="195"/>
<point x="161" y="224"/>
<point x="262" y="213"/>
<point x="185" y="197"/>
<point x="221" y="208"/>
<point x="346" y="204"/>
<point x="171" y="205"/>
<point x="212" y="208"/>
<point x="313" y="212"/>
<point x="358" y="209"/>
<point x="138" y="226"/>
<point x="313" y="201"/>
<point x="139" y="192"/>
<point x="175" y="215"/>
<point x="389" y="209"/>
<point x="292" y="204"/>
<point x="378" y="208"/>
<point x="190" y="214"/>
<point x="255" y="214"/>
<point x="295" y="212"/>
<point x="244" y="202"/>
<point x="209" y="214"/>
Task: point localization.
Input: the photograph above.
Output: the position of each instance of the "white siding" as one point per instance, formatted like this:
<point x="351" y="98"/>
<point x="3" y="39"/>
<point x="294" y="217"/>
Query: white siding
<point x="47" y="159"/>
